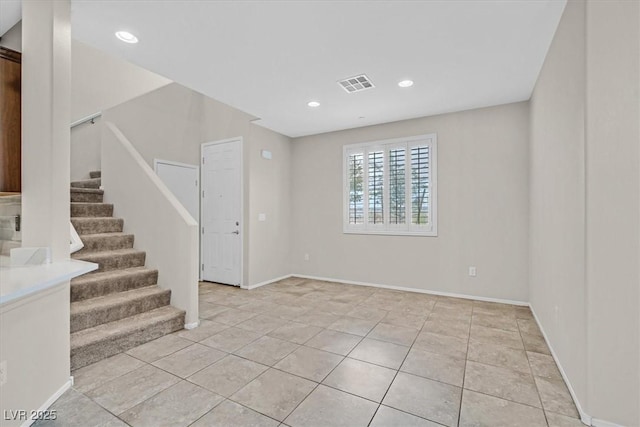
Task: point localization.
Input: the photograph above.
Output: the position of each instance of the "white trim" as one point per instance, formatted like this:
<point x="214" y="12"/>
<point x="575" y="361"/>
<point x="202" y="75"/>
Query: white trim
<point x="584" y="417"/>
<point x="391" y="232"/>
<point x="192" y="325"/>
<point x="66" y="386"/>
<point x="420" y="291"/>
<point x="240" y="140"/>
<point x="601" y="423"/>
<point x="172" y="163"/>
<point x="267" y="282"/>
<point x="385" y="228"/>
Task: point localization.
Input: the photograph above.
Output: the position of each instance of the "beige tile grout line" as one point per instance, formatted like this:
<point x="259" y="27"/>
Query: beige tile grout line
<point x="299" y="345"/>
<point x="466" y="359"/>
<point x="398" y="371"/>
<point x="533" y="378"/>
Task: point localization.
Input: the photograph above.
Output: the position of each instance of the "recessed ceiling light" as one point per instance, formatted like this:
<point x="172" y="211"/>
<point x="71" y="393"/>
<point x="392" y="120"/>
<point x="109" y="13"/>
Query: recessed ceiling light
<point x="406" y="83"/>
<point x="313" y="104"/>
<point x="126" y="37"/>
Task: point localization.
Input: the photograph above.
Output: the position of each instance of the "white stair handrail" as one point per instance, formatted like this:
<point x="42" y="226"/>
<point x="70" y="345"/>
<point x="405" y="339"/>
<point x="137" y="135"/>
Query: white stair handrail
<point x="90" y="118"/>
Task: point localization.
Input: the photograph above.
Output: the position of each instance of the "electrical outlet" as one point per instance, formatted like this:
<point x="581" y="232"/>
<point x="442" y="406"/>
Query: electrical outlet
<point x="306" y="257"/>
<point x="472" y="271"/>
<point x="3" y="372"/>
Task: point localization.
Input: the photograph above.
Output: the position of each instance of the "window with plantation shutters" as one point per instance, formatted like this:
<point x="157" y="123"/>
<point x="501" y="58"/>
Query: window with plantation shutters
<point x="390" y="187"/>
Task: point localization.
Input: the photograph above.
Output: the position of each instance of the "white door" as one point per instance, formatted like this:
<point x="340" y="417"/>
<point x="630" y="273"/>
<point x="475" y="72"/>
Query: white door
<point x="182" y="181"/>
<point x="221" y="213"/>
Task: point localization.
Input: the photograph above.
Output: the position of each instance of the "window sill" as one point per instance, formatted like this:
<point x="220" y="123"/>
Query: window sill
<point x="393" y="233"/>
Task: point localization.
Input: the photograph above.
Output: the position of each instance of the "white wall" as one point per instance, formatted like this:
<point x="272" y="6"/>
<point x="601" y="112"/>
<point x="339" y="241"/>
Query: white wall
<point x="585" y="205"/>
<point x="100" y="81"/>
<point x="613" y="209"/>
<point x="269" y="193"/>
<point x="172" y="122"/>
<point x="557" y="197"/>
<point x="148" y="206"/>
<point x="482" y="208"/>
<point x="35" y="346"/>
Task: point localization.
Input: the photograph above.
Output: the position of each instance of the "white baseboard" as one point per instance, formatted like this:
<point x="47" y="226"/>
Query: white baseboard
<point x="267" y="282"/>
<point x="192" y="325"/>
<point x="584" y="417"/>
<point x="601" y="423"/>
<point x="420" y="291"/>
<point x="66" y="386"/>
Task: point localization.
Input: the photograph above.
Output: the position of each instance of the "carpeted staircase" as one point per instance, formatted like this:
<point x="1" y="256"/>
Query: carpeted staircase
<point x="118" y="306"/>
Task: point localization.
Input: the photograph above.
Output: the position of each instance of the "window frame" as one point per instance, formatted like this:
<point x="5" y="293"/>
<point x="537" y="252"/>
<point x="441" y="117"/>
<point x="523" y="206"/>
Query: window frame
<point x="386" y="228"/>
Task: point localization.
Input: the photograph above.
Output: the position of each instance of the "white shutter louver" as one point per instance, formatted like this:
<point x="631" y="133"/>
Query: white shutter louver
<point x="390" y="187"/>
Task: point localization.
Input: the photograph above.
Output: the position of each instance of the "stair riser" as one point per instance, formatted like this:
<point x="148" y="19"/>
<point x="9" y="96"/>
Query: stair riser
<point x="119" y="262"/>
<point x="112" y="313"/>
<point x="95" y="174"/>
<point x="92" y="210"/>
<point x="105" y="243"/>
<point x="86" y="197"/>
<point x="82" y="356"/>
<point x="98" y="288"/>
<point x="97" y="226"/>
<point x="86" y="184"/>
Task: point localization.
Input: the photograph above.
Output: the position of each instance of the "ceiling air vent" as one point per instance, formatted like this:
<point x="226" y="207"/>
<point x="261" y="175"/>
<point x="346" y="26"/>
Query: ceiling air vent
<point x="356" y="84"/>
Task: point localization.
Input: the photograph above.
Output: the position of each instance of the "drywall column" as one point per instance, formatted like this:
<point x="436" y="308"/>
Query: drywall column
<point x="613" y="214"/>
<point x="46" y="65"/>
<point x="34" y="331"/>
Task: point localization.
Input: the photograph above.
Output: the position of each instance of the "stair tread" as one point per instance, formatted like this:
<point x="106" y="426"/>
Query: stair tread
<point x="90" y="203"/>
<point x="124" y="326"/>
<point x="109" y="275"/>
<point x="115" y="299"/>
<point x="96" y="218"/>
<point x="115" y="252"/>
<point x="111" y="234"/>
<point x="87" y="181"/>
<point x="86" y="190"/>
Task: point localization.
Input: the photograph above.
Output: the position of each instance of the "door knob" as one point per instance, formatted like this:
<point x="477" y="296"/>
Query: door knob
<point x="235" y="232"/>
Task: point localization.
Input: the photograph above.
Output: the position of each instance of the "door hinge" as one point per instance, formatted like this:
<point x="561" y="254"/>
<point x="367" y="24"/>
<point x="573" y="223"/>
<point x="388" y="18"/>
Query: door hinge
<point x="203" y="194"/>
<point x="202" y="230"/>
<point x="202" y="268"/>
<point x="203" y="160"/>
<point x="196" y="182"/>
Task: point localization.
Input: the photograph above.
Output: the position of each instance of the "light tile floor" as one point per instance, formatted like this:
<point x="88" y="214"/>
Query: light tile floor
<point x="309" y="353"/>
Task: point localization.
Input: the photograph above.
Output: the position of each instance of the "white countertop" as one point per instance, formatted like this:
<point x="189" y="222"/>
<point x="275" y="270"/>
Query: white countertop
<point x="19" y="282"/>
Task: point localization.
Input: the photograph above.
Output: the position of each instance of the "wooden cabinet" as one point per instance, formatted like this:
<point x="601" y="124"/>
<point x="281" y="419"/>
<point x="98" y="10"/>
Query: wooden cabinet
<point x="10" y="120"/>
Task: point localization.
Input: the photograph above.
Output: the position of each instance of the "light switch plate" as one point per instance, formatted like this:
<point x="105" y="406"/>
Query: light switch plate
<point x="262" y="217"/>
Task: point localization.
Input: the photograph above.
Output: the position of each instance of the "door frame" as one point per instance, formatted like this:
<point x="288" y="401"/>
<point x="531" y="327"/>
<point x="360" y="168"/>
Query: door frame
<point x="156" y="162"/>
<point x="239" y="140"/>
